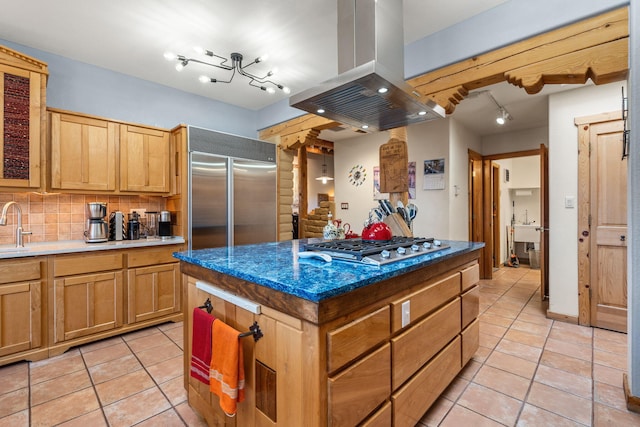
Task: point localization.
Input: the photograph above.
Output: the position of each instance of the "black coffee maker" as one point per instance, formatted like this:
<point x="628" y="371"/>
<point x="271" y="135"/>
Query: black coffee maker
<point x="133" y="226"/>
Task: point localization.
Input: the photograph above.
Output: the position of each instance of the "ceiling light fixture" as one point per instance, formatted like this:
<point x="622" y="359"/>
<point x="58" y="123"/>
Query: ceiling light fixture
<point x="324" y="177"/>
<point x="263" y="83"/>
<point x="503" y="114"/>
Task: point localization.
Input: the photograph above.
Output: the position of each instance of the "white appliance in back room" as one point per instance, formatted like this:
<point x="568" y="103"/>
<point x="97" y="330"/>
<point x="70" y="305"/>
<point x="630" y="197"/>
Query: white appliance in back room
<point x="232" y="189"/>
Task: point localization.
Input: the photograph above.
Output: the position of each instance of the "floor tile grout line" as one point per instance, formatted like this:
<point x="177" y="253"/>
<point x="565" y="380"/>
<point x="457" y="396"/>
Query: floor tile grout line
<point x="455" y="402"/>
<point x="156" y="384"/>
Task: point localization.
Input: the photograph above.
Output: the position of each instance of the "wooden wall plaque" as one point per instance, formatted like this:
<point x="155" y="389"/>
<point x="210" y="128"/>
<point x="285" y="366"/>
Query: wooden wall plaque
<point x="394" y="177"/>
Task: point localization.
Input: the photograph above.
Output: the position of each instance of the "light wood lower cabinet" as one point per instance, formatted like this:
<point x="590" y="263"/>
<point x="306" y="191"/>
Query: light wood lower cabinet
<point x="87" y="304"/>
<point x="87" y="295"/>
<point x="21" y="325"/>
<point x="49" y="304"/>
<point x="153" y="287"/>
<point x="367" y="367"/>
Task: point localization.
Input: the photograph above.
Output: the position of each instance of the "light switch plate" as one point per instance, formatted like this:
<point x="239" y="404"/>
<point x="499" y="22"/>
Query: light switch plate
<point x="569" y="202"/>
<point x="406" y="313"/>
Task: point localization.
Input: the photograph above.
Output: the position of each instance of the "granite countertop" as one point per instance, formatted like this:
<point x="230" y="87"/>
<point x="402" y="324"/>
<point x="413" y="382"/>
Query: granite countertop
<point x="71" y="246"/>
<point x="276" y="265"/>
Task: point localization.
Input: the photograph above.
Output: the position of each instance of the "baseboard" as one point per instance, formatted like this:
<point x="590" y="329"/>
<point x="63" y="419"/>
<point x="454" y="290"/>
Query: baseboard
<point x="562" y="317"/>
<point x="633" y="402"/>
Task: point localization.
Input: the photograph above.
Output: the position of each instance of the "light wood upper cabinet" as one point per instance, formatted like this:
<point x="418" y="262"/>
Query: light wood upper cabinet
<point x="83" y="153"/>
<point x="144" y="159"/>
<point x="23" y="83"/>
<point x="92" y="154"/>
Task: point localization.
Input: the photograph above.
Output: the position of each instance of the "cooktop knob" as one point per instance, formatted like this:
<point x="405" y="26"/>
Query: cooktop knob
<point x="385" y="254"/>
<point x="415" y="248"/>
<point x="437" y="243"/>
<point x="401" y="251"/>
<point x="427" y="245"/>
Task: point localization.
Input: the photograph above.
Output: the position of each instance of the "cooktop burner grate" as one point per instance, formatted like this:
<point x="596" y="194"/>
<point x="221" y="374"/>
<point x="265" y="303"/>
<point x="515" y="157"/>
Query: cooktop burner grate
<point x="358" y="248"/>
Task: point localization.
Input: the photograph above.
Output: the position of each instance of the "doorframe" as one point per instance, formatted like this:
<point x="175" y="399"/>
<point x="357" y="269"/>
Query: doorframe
<point x="481" y="201"/>
<point x="584" y="210"/>
<point x="495" y="214"/>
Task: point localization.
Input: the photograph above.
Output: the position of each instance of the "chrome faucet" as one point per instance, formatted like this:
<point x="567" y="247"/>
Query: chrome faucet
<point x="19" y="232"/>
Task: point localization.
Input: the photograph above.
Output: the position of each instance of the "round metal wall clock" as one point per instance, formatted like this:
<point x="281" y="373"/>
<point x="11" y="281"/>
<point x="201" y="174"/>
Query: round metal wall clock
<point x="357" y="175"/>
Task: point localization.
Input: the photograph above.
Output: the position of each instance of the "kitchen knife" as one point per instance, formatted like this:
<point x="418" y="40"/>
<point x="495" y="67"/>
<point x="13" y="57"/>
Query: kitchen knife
<point x="388" y="207"/>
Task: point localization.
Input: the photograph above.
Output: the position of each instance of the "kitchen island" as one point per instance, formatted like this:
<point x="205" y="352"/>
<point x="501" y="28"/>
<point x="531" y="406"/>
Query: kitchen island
<point x="344" y="343"/>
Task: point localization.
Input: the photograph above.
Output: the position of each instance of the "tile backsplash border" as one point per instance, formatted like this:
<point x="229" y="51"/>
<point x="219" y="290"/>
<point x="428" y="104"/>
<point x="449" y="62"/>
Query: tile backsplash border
<point x="55" y="217"/>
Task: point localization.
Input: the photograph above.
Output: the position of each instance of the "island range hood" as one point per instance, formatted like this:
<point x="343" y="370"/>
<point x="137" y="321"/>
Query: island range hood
<point x="369" y="92"/>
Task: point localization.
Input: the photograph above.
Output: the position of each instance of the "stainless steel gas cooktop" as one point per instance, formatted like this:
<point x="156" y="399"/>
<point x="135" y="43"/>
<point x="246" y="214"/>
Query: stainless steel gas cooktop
<point x="376" y="252"/>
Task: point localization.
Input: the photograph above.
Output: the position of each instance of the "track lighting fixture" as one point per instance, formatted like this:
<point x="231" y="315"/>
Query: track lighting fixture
<point x="503" y="115"/>
<point x="263" y="83"/>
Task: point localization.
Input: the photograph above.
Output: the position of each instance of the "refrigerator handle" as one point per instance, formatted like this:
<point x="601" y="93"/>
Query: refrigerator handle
<point x="230" y="207"/>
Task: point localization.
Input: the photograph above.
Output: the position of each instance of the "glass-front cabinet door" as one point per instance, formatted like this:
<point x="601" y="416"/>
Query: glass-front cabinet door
<point x="22" y="118"/>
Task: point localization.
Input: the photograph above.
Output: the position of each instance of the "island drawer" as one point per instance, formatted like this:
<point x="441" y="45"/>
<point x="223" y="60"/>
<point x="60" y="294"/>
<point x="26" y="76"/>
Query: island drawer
<point x="470" y="276"/>
<point x="351" y="340"/>
<point x="470" y="305"/>
<point x="413" y="348"/>
<point x="418" y="394"/>
<point x="357" y="391"/>
<point x="19" y="270"/>
<point x="425" y="300"/>
<point x="381" y="418"/>
<point x="147" y="256"/>
<point x="470" y="341"/>
<point x="87" y="263"/>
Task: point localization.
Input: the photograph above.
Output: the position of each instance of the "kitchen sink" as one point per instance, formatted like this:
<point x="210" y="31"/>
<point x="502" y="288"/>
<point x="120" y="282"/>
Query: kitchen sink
<point x="526" y="233"/>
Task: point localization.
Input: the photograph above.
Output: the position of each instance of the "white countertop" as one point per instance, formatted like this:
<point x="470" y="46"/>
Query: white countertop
<point x="71" y="246"/>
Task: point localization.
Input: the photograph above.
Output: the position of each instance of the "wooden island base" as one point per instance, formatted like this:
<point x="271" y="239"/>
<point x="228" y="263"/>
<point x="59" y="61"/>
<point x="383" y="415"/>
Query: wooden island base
<point x="378" y="357"/>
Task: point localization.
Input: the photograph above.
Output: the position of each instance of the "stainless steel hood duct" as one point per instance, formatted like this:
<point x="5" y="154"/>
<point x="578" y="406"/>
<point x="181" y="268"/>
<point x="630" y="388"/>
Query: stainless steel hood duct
<point x="370" y="57"/>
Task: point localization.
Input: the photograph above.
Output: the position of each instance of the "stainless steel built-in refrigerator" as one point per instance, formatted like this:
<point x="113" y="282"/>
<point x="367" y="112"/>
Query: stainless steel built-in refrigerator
<point x="232" y="190"/>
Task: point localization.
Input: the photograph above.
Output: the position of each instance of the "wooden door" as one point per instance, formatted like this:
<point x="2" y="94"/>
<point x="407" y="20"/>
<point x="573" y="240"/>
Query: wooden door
<point x="544" y="222"/>
<point x="495" y="214"/>
<point x="87" y="304"/>
<point x="83" y="153"/>
<point x="153" y="292"/>
<point x="476" y="206"/>
<point x="608" y="194"/>
<point x="144" y="159"/>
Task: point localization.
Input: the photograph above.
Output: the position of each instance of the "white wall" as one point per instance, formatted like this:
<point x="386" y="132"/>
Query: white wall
<point x="461" y="140"/>
<point x="441" y="213"/>
<point x="529" y="139"/>
<point x="563" y="181"/>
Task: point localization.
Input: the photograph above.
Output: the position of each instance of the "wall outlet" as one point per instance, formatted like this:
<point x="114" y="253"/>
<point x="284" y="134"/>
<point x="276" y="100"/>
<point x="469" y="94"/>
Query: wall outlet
<point x="406" y="313"/>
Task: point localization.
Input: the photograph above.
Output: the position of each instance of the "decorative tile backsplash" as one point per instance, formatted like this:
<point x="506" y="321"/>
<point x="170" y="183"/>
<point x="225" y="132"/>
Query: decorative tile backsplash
<point x="53" y="217"/>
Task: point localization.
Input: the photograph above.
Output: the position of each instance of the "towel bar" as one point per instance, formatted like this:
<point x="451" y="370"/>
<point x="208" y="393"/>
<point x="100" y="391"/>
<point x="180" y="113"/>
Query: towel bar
<point x="228" y="296"/>
<point x="254" y="330"/>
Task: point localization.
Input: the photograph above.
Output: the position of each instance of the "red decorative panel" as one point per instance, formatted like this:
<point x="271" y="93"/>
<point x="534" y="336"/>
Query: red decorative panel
<point x="16" y="127"/>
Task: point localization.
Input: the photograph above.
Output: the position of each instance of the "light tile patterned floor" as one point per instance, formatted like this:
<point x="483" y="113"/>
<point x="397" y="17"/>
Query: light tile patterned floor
<point x="529" y="371"/>
<point x="532" y="371"/>
<point x="134" y="379"/>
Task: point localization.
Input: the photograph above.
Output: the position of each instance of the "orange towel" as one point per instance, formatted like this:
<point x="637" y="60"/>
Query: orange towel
<point x="227" y="369"/>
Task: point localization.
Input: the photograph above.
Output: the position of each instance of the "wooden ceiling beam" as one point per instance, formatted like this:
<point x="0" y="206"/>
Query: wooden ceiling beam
<point x="554" y="57"/>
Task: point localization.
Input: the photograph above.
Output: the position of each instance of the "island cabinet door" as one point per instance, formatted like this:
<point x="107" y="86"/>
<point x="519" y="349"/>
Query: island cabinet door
<point x="87" y="304"/>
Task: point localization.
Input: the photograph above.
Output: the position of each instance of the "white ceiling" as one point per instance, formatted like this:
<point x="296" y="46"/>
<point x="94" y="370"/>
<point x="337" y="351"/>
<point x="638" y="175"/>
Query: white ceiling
<point x="131" y="37"/>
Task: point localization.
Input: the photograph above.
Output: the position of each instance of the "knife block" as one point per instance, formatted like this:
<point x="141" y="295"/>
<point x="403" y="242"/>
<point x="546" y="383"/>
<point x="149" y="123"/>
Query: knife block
<point x="397" y="225"/>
